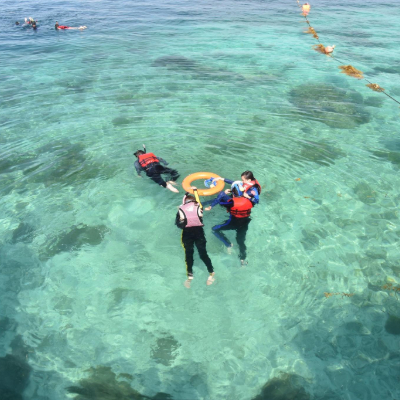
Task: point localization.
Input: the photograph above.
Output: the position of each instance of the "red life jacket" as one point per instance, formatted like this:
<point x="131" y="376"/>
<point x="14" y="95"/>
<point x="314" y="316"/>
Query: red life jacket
<point x="254" y="183"/>
<point x="241" y="207"/>
<point x="146" y="159"/>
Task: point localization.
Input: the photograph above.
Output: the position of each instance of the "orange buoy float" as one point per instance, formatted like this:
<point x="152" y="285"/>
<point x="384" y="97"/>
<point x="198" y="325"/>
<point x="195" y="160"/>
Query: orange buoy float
<point x="306" y="9"/>
<point x="187" y="183"/>
<point x="329" y="49"/>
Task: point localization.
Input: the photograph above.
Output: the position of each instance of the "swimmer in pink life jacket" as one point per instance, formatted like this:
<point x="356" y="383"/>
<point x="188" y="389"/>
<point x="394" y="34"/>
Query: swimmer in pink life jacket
<point x="190" y="219"/>
<point x="57" y="26"/>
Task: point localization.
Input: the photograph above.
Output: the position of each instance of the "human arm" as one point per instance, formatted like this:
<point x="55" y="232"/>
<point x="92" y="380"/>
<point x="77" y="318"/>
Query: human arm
<point x="162" y="161"/>
<point x="252" y="195"/>
<point x="225" y="180"/>
<point x="223" y="200"/>
<point x="138" y="168"/>
<point x="180" y="220"/>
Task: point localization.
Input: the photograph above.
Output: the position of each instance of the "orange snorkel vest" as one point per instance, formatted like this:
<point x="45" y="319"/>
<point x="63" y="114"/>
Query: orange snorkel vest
<point x="146" y="159"/>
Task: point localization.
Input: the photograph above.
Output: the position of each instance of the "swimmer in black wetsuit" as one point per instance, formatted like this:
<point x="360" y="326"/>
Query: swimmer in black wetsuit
<point x="190" y="219"/>
<point x="149" y="163"/>
<point x="239" y="209"/>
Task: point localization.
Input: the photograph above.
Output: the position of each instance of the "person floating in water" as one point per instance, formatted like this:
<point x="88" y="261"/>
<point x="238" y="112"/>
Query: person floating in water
<point x="57" y="26"/>
<point x="149" y="163"/>
<point x="238" y="201"/>
<point x="252" y="189"/>
<point x="29" y="22"/>
<point x="190" y="219"/>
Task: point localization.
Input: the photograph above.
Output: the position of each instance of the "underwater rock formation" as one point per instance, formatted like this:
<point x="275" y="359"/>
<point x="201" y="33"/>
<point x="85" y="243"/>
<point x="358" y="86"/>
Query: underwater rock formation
<point x="164" y="350"/>
<point x="103" y="384"/>
<point x="15" y="162"/>
<point x="76" y="238"/>
<point x="392" y="325"/>
<point x="392" y="154"/>
<point x="179" y="63"/>
<point x="14" y="372"/>
<point x="321" y="153"/>
<point x="23" y="233"/>
<point x="120" y="121"/>
<point x="390" y="70"/>
<point x="284" y="387"/>
<point x="65" y="163"/>
<point x="335" y="107"/>
<point x="365" y="193"/>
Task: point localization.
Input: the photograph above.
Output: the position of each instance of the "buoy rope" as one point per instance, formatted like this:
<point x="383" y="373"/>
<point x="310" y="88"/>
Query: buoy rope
<point x="378" y="88"/>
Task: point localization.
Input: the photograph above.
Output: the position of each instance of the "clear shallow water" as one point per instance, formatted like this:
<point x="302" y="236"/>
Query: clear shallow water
<point x="92" y="267"/>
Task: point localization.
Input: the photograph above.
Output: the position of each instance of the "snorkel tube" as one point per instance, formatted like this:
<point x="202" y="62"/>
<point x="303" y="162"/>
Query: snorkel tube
<point x="144" y="150"/>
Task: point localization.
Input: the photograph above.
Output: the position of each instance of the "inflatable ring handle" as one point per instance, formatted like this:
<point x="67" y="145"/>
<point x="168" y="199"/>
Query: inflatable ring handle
<point x="187" y="183"/>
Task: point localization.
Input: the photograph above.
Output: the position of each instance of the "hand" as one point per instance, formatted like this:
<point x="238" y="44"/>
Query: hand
<point x="228" y="191"/>
<point x="246" y="196"/>
<point x="208" y="208"/>
<point x="219" y="179"/>
<point x="193" y="187"/>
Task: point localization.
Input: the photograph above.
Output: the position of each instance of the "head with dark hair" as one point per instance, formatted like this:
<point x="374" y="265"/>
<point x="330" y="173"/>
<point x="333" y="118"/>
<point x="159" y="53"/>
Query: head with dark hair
<point x="17" y="23"/>
<point x="138" y="153"/>
<point x="189" y="198"/>
<point x="248" y="175"/>
<point x="235" y="192"/>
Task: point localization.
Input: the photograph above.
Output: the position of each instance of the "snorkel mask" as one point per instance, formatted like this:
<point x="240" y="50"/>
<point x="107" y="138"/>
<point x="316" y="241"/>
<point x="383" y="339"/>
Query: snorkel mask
<point x="144" y="150"/>
<point x="210" y="183"/>
<point x="238" y="185"/>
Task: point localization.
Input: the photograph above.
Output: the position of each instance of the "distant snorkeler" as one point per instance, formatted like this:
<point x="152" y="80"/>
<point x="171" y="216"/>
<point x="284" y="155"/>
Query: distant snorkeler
<point x="57" y="26"/>
<point x="16" y="23"/>
<point x="149" y="163"/>
<point x="29" y="22"/>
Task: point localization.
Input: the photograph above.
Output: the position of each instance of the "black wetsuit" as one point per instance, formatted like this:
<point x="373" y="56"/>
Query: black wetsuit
<point x="190" y="237"/>
<point x="240" y="225"/>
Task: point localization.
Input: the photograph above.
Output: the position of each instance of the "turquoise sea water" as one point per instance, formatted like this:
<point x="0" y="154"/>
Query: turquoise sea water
<point x="92" y="302"/>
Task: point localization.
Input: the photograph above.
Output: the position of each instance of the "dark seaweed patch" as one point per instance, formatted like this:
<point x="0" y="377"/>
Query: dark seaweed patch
<point x="164" y="352"/>
<point x="23" y="233"/>
<point x="76" y="238"/>
<point x="104" y="384"/>
<point x="337" y="108"/>
<point x="284" y="387"/>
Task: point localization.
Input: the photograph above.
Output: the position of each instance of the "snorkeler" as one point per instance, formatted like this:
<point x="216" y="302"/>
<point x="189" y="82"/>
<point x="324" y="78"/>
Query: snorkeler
<point x="29" y="22"/>
<point x="57" y="26"/>
<point x="149" y="163"/>
<point x="239" y="208"/>
<point x="190" y="219"/>
<point x="252" y="189"/>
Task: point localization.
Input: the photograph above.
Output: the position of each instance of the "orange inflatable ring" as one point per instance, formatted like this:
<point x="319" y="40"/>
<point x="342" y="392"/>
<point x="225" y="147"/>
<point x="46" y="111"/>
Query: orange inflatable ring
<point x="187" y="183"/>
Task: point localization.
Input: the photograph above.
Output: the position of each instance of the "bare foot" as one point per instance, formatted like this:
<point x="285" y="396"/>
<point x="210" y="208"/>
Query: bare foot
<point x="211" y="279"/>
<point x="171" y="188"/>
<point x="172" y="183"/>
<point x="243" y="263"/>
<point x="188" y="282"/>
